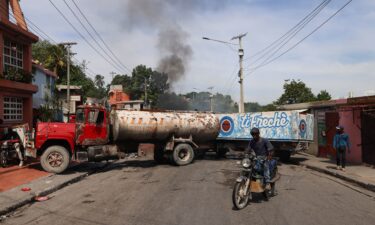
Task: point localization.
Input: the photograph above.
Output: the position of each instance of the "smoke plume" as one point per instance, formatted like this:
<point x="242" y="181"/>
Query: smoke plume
<point x="174" y="49"/>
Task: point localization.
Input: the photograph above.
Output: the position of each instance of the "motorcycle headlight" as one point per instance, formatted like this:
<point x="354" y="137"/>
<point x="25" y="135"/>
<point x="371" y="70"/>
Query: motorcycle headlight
<point x="246" y="162"/>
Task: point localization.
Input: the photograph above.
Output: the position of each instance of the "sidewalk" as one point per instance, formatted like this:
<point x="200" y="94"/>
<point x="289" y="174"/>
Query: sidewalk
<point x="361" y="175"/>
<point x="13" y="176"/>
<point x="41" y="183"/>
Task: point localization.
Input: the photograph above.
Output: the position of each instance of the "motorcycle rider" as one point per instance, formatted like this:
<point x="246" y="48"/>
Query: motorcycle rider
<point x="264" y="150"/>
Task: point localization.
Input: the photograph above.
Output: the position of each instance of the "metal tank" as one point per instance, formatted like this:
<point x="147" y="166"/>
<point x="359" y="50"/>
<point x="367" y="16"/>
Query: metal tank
<point x="147" y="126"/>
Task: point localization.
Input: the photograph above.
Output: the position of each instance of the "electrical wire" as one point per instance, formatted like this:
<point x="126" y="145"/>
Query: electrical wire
<point x="272" y="52"/>
<point x="287" y="33"/>
<point x="92" y="37"/>
<point x="42" y="34"/>
<point x="82" y="36"/>
<point x="299" y="42"/>
<point x="99" y="36"/>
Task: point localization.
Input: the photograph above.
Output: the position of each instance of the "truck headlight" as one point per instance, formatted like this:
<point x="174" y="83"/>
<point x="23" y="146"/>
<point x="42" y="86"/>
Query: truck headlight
<point x="246" y="162"/>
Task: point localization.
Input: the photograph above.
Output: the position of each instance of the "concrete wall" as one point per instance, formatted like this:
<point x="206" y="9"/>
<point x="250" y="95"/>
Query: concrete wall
<point x="350" y="119"/>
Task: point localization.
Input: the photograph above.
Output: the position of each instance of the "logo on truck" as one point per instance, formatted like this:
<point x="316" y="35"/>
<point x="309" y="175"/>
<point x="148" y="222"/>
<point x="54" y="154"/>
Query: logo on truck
<point x="226" y="126"/>
<point x="278" y="119"/>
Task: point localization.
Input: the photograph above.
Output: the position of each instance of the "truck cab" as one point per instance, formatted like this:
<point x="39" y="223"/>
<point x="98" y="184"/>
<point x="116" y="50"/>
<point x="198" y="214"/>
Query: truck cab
<point x="84" y="140"/>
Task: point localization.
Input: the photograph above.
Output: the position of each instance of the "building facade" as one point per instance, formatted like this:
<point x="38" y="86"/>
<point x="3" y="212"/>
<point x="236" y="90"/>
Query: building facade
<point x="45" y="80"/>
<point x="16" y="89"/>
<point x="356" y="115"/>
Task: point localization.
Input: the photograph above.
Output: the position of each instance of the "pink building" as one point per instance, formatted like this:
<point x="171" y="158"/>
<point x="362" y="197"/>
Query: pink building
<point x="356" y="115"/>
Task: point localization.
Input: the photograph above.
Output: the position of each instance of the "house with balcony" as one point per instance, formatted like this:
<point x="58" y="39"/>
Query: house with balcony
<point x="16" y="88"/>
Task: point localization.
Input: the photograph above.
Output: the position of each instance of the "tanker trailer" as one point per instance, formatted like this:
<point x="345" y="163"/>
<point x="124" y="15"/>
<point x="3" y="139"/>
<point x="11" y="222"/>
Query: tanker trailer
<point x="176" y="135"/>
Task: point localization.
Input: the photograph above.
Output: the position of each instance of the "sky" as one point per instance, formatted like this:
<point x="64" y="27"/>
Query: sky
<point x="339" y="57"/>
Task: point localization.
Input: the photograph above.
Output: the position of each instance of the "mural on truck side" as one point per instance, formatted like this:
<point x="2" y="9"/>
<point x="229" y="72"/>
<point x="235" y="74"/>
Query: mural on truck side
<point x="281" y="125"/>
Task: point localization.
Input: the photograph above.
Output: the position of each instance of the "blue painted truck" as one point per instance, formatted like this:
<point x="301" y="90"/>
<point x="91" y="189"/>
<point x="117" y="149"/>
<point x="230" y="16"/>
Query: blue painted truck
<point x="288" y="131"/>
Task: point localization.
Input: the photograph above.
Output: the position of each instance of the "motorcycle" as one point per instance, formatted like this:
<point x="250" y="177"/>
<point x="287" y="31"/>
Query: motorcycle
<point x="10" y="149"/>
<point x="251" y="180"/>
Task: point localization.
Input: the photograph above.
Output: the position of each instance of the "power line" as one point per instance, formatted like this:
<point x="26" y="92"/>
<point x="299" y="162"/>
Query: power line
<point x="299" y="42"/>
<point x="37" y="30"/>
<point x="100" y="37"/>
<point x="80" y="34"/>
<point x="93" y="38"/>
<point x="287" y="33"/>
<point x="291" y="36"/>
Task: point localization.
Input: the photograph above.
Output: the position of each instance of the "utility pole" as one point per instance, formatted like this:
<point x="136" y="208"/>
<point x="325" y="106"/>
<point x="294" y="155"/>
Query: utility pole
<point x="145" y="84"/>
<point x="68" y="46"/>
<point x="241" y="106"/>
<point x="211" y="99"/>
<point x="112" y="74"/>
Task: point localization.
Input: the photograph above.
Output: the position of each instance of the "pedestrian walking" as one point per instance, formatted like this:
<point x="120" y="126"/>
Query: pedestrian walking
<point x="341" y="145"/>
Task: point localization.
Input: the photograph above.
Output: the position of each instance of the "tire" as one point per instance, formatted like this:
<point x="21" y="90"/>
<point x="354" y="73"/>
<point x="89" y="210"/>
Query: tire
<point x="183" y="154"/>
<point x="238" y="202"/>
<point x="3" y="159"/>
<point x="55" y="159"/>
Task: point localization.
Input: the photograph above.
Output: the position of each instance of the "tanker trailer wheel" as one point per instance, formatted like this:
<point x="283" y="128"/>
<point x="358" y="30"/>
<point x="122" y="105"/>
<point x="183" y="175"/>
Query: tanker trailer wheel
<point x="183" y="154"/>
<point x="55" y="159"/>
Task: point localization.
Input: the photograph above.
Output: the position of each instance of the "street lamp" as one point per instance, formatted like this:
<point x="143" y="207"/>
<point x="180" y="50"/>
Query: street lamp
<point x="241" y="105"/>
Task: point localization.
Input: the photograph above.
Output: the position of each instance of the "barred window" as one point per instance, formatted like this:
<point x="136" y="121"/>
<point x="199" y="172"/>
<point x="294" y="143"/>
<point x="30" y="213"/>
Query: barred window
<point x="13" y="55"/>
<point x="13" y="109"/>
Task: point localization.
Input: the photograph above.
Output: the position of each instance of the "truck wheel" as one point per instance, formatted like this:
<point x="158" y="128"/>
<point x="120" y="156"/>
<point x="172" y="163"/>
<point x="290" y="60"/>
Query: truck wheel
<point x="55" y="159"/>
<point x="183" y="154"/>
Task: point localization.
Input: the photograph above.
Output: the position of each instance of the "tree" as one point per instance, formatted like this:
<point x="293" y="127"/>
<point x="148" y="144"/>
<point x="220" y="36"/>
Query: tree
<point x="252" y="107"/>
<point x="54" y="58"/>
<point x="99" y="83"/>
<point x="323" y="95"/>
<point x="144" y="80"/>
<point x="295" y="92"/>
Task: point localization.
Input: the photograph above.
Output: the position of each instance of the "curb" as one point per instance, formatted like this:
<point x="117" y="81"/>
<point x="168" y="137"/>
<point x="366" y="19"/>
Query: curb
<point x="27" y="200"/>
<point x="365" y="185"/>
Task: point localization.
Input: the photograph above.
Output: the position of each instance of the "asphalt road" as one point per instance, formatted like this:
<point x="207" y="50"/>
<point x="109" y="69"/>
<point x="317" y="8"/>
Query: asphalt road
<point x="140" y="192"/>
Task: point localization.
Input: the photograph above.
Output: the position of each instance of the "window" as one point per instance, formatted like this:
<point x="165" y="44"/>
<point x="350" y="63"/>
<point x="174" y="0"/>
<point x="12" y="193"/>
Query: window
<point x="80" y="116"/>
<point x="13" y="109"/>
<point x="92" y="116"/>
<point x="13" y="55"/>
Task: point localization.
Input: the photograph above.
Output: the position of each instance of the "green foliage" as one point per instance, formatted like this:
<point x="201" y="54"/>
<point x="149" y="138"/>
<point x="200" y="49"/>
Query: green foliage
<point x="144" y="81"/>
<point x="49" y="111"/>
<point x="253" y="107"/>
<point x="295" y="92"/>
<point x="323" y="95"/>
<point x="53" y="57"/>
<point x="18" y="75"/>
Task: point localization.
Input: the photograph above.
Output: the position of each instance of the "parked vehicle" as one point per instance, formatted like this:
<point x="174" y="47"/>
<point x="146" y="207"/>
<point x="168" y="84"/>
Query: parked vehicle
<point x="288" y="131"/>
<point x="251" y="180"/>
<point x="10" y="149"/>
<point x="99" y="135"/>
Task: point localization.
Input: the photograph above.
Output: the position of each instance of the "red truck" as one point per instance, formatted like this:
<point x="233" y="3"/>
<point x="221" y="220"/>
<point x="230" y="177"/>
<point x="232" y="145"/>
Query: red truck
<point x="98" y="134"/>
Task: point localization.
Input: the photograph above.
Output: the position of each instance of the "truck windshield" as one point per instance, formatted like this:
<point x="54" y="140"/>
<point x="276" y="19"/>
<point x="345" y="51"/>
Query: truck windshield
<point x="80" y="116"/>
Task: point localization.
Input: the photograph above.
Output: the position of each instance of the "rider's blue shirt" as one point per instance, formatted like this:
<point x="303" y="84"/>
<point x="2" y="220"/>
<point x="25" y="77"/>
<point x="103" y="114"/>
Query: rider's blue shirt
<point x="261" y="147"/>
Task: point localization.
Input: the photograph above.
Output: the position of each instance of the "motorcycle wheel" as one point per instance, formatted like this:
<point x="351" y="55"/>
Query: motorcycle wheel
<point x="3" y="159"/>
<point x="240" y="199"/>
